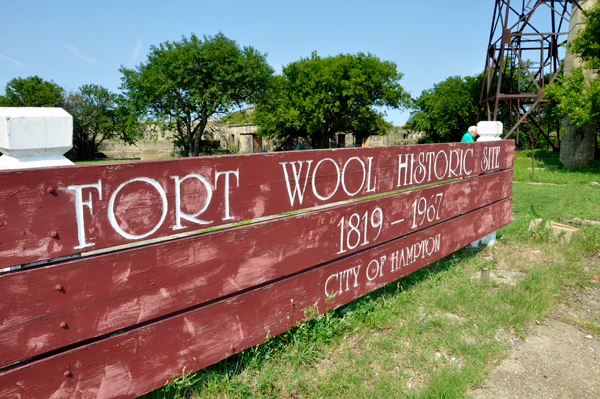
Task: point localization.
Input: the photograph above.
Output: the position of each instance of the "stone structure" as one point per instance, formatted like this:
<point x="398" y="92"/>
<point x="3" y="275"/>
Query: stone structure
<point x="397" y="136"/>
<point x="34" y="137"/>
<point x="242" y="138"/>
<point x="142" y="149"/>
<point x="578" y="145"/>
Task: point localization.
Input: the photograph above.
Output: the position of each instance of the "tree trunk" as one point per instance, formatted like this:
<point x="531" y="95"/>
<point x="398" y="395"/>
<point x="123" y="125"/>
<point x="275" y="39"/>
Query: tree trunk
<point x="578" y="145"/>
<point x="198" y="136"/>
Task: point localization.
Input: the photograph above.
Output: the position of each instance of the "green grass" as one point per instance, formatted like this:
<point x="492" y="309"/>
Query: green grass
<point x="435" y="333"/>
<point x="105" y="160"/>
<point x="561" y="175"/>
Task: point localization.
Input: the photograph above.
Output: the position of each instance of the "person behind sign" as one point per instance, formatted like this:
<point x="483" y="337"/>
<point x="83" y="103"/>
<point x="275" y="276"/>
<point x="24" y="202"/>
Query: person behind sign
<point x="470" y="136"/>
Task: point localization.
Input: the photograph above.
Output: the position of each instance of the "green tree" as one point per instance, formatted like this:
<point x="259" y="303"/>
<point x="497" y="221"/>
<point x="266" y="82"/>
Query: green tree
<point x="32" y="91"/>
<point x="185" y="83"/>
<point x="576" y="95"/>
<point x="446" y="111"/>
<point x="317" y="97"/>
<point x="100" y="115"/>
<point x="587" y="42"/>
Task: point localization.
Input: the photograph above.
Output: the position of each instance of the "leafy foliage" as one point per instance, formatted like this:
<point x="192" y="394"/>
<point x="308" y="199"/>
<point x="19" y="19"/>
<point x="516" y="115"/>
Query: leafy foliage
<point x="587" y="42"/>
<point x="99" y="115"/>
<point x="445" y="112"/>
<point x="574" y="97"/>
<point x="316" y="97"/>
<point x="32" y="91"/>
<point x="185" y="83"/>
<point x="577" y="95"/>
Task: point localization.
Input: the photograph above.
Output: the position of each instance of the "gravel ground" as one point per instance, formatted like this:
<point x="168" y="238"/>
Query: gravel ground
<point x="558" y="359"/>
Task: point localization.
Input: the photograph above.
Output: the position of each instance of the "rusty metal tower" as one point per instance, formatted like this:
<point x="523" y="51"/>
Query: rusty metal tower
<point x="523" y="56"/>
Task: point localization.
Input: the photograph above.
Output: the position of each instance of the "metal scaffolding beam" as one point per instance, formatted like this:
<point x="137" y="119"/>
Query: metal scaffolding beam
<point x="522" y="58"/>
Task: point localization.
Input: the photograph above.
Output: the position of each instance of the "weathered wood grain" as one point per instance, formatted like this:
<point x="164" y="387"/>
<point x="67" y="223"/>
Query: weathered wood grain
<point x="102" y="294"/>
<point x="127" y="202"/>
<point x="130" y="364"/>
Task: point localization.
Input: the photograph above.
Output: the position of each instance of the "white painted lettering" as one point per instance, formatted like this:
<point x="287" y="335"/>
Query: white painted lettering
<point x="416" y="252"/>
<point x="178" y="213"/>
<point x="382" y="260"/>
<point x="369" y="188"/>
<point x="429" y="163"/>
<point x="464" y="163"/>
<point x="485" y="164"/>
<point x="497" y="157"/>
<point x="355" y="271"/>
<point x="452" y="171"/>
<point x="337" y="168"/>
<point x="432" y="241"/>
<point x="226" y="173"/>
<point x="420" y="169"/>
<point x="363" y="178"/>
<point x="296" y="174"/>
<point x="374" y="261"/>
<point x="435" y="166"/>
<point x="111" y="208"/>
<point x="79" y="204"/>
<point x="409" y="254"/>
<point x="395" y="265"/>
<point x="328" y="293"/>
<point x="402" y="166"/>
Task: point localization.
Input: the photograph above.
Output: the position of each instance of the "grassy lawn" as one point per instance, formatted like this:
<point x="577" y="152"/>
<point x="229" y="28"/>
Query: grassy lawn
<point x="437" y="332"/>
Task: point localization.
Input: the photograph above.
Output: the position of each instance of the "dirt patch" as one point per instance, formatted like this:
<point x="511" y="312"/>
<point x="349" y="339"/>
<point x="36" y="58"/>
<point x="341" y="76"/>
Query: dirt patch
<point x="507" y="277"/>
<point x="558" y="359"/>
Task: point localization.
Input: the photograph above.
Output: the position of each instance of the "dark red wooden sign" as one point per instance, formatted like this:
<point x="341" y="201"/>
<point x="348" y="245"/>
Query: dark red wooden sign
<point x="191" y="301"/>
<point x="125" y="288"/>
<point x="50" y="213"/>
<point x="127" y="365"/>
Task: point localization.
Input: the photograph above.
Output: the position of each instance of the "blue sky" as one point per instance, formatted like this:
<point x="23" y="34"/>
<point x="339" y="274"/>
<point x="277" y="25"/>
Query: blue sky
<point x="79" y="42"/>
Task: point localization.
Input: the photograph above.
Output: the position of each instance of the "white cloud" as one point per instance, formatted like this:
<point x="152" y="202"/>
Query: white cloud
<point x="75" y="51"/>
<point x="17" y="63"/>
<point x="136" y="51"/>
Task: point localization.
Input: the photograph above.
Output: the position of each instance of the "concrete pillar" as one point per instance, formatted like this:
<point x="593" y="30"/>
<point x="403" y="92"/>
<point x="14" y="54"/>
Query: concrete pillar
<point x="34" y="137"/>
<point x="577" y="145"/>
<point x="488" y="131"/>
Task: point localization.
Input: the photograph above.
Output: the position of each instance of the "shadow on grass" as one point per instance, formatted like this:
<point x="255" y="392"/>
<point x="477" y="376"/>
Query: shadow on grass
<point x="302" y="345"/>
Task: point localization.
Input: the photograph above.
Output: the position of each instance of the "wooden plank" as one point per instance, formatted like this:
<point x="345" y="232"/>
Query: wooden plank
<point x="105" y="293"/>
<point x="50" y="213"/>
<point x="135" y="362"/>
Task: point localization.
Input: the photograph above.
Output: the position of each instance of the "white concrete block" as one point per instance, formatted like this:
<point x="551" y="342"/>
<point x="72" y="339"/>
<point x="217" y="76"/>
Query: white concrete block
<point x="488" y="240"/>
<point x="489" y="131"/>
<point x="34" y="137"/>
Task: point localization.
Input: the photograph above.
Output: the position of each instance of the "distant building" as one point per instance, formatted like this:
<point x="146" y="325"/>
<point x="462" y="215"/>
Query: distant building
<point x="242" y="138"/>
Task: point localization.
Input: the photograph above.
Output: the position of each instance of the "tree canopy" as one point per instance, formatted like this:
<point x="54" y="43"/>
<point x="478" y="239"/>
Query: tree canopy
<point x="446" y="111"/>
<point x="99" y="115"/>
<point x="317" y="97"/>
<point x="577" y="95"/>
<point x="32" y="91"/>
<point x="184" y="83"/>
<point x="587" y="42"/>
